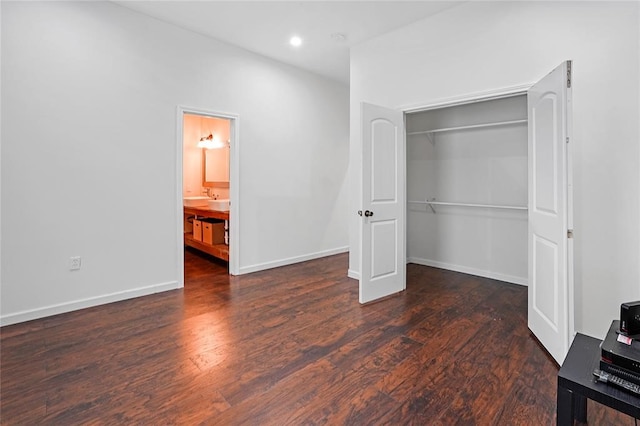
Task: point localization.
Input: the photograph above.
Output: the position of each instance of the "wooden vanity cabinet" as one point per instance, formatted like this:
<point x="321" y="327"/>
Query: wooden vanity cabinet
<point x="194" y="237"/>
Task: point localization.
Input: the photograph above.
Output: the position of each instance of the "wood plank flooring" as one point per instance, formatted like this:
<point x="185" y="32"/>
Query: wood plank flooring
<point x="289" y="346"/>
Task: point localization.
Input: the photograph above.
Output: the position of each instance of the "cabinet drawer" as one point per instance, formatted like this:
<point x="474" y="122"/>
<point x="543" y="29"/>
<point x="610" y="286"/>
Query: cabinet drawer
<point x="197" y="230"/>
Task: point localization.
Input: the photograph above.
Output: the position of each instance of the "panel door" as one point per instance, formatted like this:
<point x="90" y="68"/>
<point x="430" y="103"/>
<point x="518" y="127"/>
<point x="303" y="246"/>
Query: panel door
<point x="550" y="286"/>
<point x="382" y="254"/>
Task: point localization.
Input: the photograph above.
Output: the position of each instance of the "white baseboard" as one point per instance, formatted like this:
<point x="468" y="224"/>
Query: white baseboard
<point x="353" y="274"/>
<point x="75" y="305"/>
<point x="291" y="260"/>
<point x="472" y="271"/>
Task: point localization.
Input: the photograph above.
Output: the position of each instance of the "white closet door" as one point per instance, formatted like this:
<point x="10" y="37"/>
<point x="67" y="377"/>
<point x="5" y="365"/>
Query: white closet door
<point x="549" y="261"/>
<point x="382" y="256"/>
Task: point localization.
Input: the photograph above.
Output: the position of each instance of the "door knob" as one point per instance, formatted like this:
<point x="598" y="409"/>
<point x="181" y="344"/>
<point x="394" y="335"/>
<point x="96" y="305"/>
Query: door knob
<point x="368" y="213"/>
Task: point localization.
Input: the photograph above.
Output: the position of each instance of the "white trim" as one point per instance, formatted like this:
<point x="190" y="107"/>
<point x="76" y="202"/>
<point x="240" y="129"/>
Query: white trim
<point x="234" y="184"/>
<point x="472" y="271"/>
<point x="179" y="195"/>
<point x="61" y="308"/>
<point x="234" y="196"/>
<point x="291" y="260"/>
<point x="353" y="274"/>
<point x="570" y="208"/>
<point x="468" y="98"/>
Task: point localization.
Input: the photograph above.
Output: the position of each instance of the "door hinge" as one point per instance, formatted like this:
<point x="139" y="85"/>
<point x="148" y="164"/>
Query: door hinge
<point x="569" y="74"/>
<point x="567" y="139"/>
<point x="569" y="233"/>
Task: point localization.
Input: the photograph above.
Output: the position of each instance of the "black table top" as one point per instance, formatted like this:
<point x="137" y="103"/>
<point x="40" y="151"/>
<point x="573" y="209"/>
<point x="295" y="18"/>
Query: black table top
<point x="576" y="374"/>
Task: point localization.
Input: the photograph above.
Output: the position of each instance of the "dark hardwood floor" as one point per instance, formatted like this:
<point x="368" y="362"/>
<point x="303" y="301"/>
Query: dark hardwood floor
<point x="288" y="346"/>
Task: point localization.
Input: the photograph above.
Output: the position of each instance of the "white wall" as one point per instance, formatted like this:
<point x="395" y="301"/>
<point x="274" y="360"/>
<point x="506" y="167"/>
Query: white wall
<point x="481" y="47"/>
<point x="89" y="97"/>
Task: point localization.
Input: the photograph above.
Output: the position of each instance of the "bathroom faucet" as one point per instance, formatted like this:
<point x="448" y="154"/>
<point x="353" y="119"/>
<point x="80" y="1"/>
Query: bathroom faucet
<point x="211" y="194"/>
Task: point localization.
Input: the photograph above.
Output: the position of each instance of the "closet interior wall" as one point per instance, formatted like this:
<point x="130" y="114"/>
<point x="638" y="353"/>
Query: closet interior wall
<point x="472" y="158"/>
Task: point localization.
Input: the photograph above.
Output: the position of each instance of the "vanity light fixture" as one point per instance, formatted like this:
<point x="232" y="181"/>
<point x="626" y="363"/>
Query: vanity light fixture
<point x="212" y="142"/>
<point x="206" y="141"/>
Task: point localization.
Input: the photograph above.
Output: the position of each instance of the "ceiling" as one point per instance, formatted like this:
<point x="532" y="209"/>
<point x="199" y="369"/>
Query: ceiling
<point x="265" y="27"/>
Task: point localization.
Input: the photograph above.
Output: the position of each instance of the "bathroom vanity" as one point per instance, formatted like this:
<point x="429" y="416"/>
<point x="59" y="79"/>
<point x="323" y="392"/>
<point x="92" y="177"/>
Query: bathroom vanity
<point x="200" y="214"/>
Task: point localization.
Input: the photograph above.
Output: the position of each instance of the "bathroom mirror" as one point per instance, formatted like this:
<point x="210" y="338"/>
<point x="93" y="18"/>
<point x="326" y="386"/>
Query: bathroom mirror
<point x="215" y="167"/>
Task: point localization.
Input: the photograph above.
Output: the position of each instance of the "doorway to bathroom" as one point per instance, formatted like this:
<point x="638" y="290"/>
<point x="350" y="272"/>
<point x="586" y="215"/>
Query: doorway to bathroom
<point x="207" y="193"/>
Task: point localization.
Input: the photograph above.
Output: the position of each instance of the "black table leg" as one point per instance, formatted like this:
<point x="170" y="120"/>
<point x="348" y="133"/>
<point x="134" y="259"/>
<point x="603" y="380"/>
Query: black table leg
<point x="566" y="405"/>
<point x="580" y="408"/>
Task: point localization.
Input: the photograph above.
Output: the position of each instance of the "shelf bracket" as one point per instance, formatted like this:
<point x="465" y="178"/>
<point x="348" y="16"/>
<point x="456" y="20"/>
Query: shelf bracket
<point x="430" y="206"/>
<point x="431" y="138"/>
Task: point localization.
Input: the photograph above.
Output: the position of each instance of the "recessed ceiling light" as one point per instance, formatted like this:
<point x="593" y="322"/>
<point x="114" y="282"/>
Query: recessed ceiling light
<point x="295" y="41"/>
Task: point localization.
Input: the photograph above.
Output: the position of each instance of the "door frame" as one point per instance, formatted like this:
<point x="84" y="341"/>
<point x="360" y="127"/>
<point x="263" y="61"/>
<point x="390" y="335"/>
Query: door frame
<point x="468" y="99"/>
<point x="234" y="180"/>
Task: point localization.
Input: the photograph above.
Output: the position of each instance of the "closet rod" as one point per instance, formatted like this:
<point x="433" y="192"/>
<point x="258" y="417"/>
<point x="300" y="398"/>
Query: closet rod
<point x="472" y="126"/>
<point x="492" y="206"/>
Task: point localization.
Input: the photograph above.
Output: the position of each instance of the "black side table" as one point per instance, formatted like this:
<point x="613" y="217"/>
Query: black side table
<point x="576" y="383"/>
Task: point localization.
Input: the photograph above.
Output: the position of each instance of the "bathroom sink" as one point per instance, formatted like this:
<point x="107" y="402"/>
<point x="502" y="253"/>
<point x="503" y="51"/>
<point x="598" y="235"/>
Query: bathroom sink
<point x="197" y="201"/>
<point x="222" y="205"/>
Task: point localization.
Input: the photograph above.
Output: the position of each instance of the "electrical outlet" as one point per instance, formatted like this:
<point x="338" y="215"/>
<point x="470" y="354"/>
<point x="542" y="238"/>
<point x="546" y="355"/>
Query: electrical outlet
<point x="74" y="263"/>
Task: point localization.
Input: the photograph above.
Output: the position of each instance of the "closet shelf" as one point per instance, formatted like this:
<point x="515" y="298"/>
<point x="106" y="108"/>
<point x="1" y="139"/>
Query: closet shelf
<point x="491" y="206"/>
<point x="472" y="126"/>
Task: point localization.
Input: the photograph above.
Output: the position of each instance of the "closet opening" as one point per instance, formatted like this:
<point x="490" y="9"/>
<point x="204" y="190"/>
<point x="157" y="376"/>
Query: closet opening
<point x="467" y="188"/>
